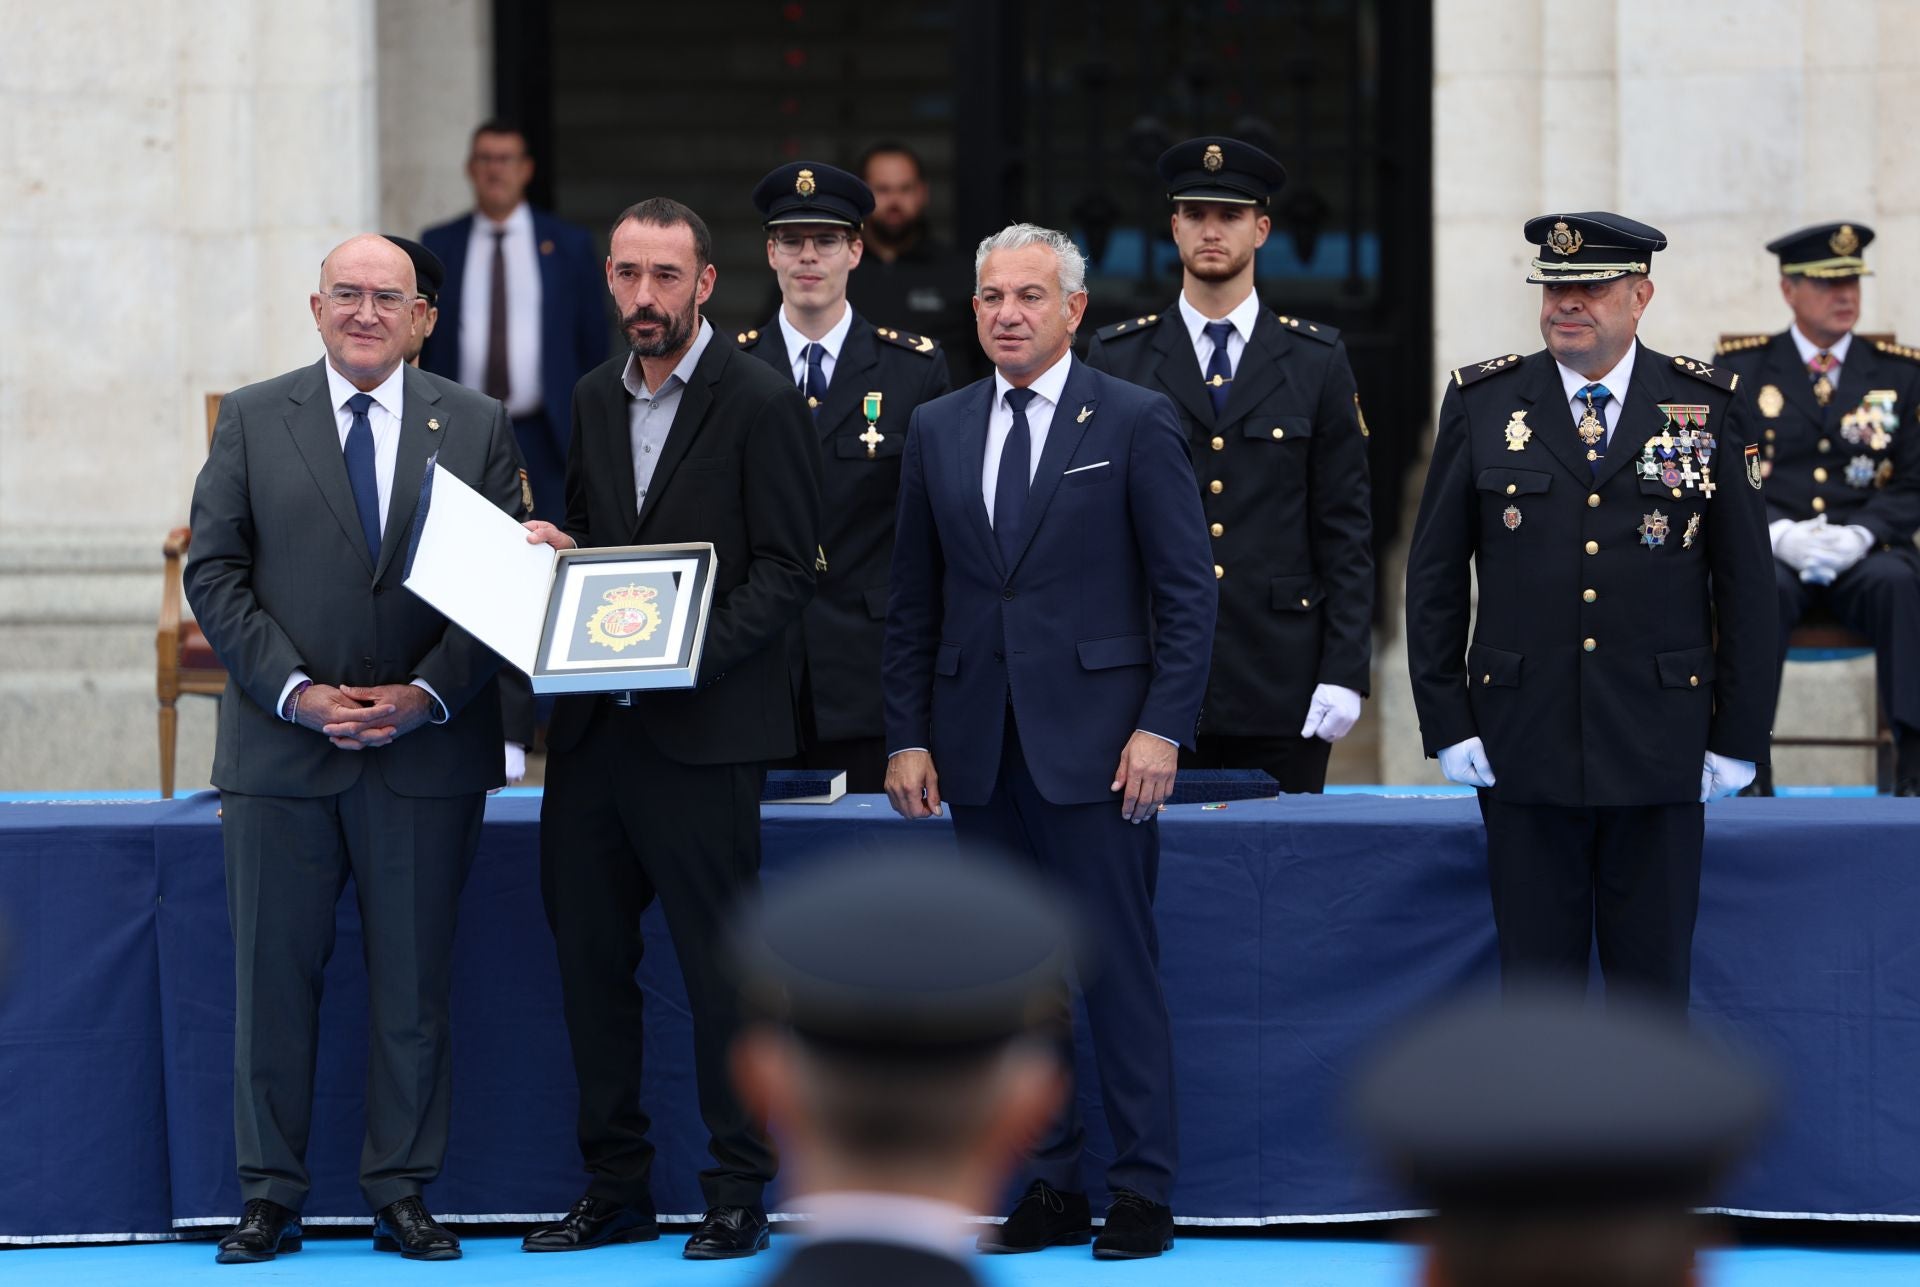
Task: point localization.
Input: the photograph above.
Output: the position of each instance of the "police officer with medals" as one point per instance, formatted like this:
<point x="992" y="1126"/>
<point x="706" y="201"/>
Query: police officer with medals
<point x="1620" y="671"/>
<point x="1838" y="420"/>
<point x="862" y="382"/>
<point x="1280" y="450"/>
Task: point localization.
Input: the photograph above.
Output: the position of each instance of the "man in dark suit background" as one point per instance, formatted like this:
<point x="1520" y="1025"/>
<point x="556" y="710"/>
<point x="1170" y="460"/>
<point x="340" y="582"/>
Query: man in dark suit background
<point x="1619" y="674"/>
<point x="862" y="383"/>
<point x="909" y="278"/>
<point x="359" y="735"/>
<point x="1840" y="451"/>
<point x="658" y="794"/>
<point x="1273" y="417"/>
<point x="1051" y="613"/>
<point x="523" y="305"/>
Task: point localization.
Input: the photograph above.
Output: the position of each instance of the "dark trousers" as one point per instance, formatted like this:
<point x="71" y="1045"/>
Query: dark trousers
<point x="1107" y="867"/>
<point x="1878" y="597"/>
<point x="1630" y="875"/>
<point x="621" y="825"/>
<point x="1298" y="764"/>
<point x="287" y="861"/>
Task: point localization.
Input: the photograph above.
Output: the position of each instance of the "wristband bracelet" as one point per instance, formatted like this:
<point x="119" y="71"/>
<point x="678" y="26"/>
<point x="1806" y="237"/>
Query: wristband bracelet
<point x="293" y="700"/>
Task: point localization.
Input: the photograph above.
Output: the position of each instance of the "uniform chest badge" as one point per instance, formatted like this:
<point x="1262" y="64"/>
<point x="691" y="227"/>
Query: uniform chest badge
<point x="1517" y="431"/>
<point x="1693" y="530"/>
<point x="1511" y="517"/>
<point x="1654" y="529"/>
<point x="1771" y="401"/>
<point x="1756" y="468"/>
<point x="870" y="408"/>
<point x="1860" y="471"/>
<point x="626" y="618"/>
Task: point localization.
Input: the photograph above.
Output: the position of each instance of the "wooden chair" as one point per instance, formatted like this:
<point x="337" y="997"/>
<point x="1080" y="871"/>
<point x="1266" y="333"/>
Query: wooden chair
<point x="187" y="664"/>
<point x="1820" y="638"/>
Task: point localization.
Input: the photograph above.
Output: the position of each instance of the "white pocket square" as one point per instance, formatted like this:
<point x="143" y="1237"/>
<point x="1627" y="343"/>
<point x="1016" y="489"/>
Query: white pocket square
<point x="1081" y="469"/>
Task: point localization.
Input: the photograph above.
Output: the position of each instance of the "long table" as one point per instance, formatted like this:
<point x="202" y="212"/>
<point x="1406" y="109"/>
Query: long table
<point x="1295" y="932"/>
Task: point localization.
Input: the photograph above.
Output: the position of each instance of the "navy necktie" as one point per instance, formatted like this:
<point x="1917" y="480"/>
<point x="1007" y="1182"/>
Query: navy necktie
<point x="1015" y="477"/>
<point x="361" y="475"/>
<point x="1597" y="396"/>
<point x="1219" y="369"/>
<point x="815" y="385"/>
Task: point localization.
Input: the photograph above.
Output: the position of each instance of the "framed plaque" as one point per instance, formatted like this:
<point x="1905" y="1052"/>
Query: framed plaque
<point x="625" y="617"/>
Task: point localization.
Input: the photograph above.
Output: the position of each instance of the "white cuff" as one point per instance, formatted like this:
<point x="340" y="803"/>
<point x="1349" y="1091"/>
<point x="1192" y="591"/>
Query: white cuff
<point x="294" y="680"/>
<point x="437" y="713"/>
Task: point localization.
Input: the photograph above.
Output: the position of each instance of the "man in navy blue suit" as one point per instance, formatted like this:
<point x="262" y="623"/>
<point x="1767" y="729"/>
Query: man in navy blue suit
<point x="524" y="305"/>
<point x="1050" y="618"/>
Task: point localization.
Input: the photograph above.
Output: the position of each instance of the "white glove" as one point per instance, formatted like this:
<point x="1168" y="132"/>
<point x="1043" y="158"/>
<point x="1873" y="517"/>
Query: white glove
<point x="1466" y="763"/>
<point x="516" y="764"/>
<point x="1793" y="543"/>
<point x="1331" y="713"/>
<point x="1721" y="776"/>
<point x="1835" y="549"/>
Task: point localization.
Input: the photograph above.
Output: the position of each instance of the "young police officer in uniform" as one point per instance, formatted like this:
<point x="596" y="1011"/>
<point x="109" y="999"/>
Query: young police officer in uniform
<point x="1273" y="419"/>
<point x="1837" y="420"/>
<point x="861" y="382"/>
<point x="1621" y="669"/>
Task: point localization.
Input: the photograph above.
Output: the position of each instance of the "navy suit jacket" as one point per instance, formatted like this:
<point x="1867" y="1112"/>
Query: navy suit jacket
<point x="574" y="337"/>
<point x="1104" y="622"/>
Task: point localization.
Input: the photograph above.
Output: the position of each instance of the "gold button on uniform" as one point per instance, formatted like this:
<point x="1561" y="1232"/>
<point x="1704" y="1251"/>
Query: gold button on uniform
<point x="1820" y="475"/>
<point x="1219" y="444"/>
<point x="1485" y="680"/>
<point x="1588" y="644"/>
<point x="1693" y="681"/>
<point x="1278" y="433"/>
<point x="1217" y="529"/>
<point x="1593" y="500"/>
<point x="1819" y="504"/>
<point x="1826" y="445"/>
<point x="1590" y="596"/>
<point x="1511" y="489"/>
<point x="1306" y="603"/>
<point x="1216" y="487"/>
<point x="1593" y="547"/>
<point x="1218" y="571"/>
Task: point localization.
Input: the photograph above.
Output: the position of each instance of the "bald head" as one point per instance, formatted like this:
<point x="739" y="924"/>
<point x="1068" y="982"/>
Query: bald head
<point x="367" y="309"/>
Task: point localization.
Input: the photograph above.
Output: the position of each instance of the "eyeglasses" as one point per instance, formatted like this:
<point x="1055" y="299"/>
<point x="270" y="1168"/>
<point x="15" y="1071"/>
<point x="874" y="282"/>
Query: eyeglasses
<point x="825" y="243"/>
<point x="347" y="299"/>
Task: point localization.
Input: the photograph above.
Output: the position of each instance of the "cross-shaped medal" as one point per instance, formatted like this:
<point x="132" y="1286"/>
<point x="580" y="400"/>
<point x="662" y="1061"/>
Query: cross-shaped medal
<point x="1688" y="474"/>
<point x="1706" y="482"/>
<point x="870" y="408"/>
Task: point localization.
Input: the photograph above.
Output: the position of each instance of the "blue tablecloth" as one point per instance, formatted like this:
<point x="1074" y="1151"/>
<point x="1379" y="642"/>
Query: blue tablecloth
<point x="1295" y="932"/>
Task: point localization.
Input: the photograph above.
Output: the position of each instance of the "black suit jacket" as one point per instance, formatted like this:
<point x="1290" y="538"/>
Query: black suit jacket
<point x="279" y="580"/>
<point x="739" y="469"/>
<point x="833" y="1263"/>
<point x="1291" y="524"/>
<point x="1602" y="668"/>
<point x="844" y="625"/>
<point x="1824" y="460"/>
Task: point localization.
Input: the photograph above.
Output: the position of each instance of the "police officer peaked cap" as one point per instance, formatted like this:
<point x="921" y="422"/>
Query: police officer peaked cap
<point x="1593" y="246"/>
<point x="1216" y="168"/>
<point x="905" y="956"/>
<point x="1533" y="1104"/>
<point x="810" y="192"/>
<point x="428" y="271"/>
<point x="1826" y="250"/>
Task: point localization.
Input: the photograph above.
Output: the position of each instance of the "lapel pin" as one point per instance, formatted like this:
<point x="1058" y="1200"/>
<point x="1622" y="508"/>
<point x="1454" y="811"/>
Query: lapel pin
<point x="1084" y="413"/>
<point x="546" y="247"/>
<point x="433" y="425"/>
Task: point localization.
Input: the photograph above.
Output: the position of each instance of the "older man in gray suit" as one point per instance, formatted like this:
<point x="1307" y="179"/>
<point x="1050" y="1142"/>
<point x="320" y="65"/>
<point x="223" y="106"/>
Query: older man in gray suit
<point x="360" y="734"/>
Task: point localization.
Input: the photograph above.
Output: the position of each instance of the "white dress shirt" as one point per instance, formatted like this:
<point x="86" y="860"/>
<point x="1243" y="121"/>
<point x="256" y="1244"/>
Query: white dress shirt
<point x="522" y="259"/>
<point x="830" y="343"/>
<point x="1040" y="411"/>
<point x="1616" y="381"/>
<point x="1809" y="351"/>
<point x="1243" y="315"/>
<point x="925" y="1224"/>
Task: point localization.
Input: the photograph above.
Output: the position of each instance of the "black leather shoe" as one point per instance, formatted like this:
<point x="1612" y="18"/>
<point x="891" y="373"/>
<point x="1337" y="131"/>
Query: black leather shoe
<point x="594" y="1222"/>
<point x="728" y="1233"/>
<point x="266" y="1229"/>
<point x="1136" y="1229"/>
<point x="1044" y="1217"/>
<point x="405" y="1227"/>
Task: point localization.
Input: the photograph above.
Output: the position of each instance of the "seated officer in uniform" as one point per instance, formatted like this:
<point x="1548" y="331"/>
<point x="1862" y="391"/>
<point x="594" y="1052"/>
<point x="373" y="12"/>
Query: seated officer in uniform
<point x="1273" y="421"/>
<point x="1563" y="1146"/>
<point x="903" y="1054"/>
<point x="862" y="382"/>
<point x="1620" y="669"/>
<point x="1838" y="417"/>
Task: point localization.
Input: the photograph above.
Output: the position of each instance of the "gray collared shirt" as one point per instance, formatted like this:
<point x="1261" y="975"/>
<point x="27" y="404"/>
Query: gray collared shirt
<point x="650" y="415"/>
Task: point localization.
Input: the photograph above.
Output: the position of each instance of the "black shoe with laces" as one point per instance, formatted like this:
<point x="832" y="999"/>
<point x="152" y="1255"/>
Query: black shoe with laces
<point x="1044" y="1217"/>
<point x="728" y="1233"/>
<point x="594" y="1222"/>
<point x="1135" y="1230"/>
<point x="266" y="1230"/>
<point x="405" y="1227"/>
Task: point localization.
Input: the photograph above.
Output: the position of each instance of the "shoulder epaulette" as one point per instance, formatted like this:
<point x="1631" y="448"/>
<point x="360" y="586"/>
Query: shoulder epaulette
<point x="1707" y="371"/>
<point x="907" y="340"/>
<point x="1472" y="371"/>
<point x="1127" y="327"/>
<point x="1739" y="344"/>
<point x="1897" y="350"/>
<point x="1312" y="330"/>
<point x="746" y="337"/>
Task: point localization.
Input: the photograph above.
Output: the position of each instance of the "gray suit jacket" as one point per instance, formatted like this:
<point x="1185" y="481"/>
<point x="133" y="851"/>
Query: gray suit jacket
<point x="279" y="579"/>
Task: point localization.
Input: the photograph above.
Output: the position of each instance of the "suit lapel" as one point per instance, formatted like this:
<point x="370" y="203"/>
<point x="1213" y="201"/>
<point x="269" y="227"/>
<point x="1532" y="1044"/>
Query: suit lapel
<point x="688" y="419"/>
<point x="316" y="435"/>
<point x="1260" y="369"/>
<point x="1543" y="397"/>
<point x="859" y="355"/>
<point x="1069" y="426"/>
<point x="1179" y="368"/>
<point x="614" y="442"/>
<point x="970" y="457"/>
<point x="418" y="404"/>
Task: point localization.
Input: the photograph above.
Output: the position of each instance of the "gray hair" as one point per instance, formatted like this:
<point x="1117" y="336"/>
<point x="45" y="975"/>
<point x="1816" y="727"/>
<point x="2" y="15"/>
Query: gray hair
<point x="1018" y="236"/>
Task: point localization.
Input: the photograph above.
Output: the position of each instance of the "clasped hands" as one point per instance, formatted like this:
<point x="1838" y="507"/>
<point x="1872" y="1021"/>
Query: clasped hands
<point x="1818" y="550"/>
<point x="355" y="719"/>
<point x="1144" y="776"/>
<point x="1467" y="763"/>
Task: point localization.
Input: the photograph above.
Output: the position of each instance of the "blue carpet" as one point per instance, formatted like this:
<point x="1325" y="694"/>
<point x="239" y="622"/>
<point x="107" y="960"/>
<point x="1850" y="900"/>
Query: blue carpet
<point x="1196" y="1262"/>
